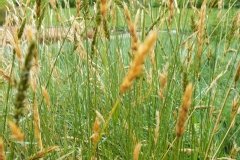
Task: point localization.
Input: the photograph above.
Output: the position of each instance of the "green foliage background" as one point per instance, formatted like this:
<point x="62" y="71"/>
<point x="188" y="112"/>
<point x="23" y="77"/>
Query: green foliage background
<point x="2" y="13"/>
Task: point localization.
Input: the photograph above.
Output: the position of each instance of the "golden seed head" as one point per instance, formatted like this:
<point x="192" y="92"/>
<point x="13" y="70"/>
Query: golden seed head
<point x="46" y="96"/>
<point x="78" y="7"/>
<point x="137" y="64"/>
<point x="163" y="80"/>
<point x="127" y="13"/>
<point x="136" y="151"/>
<point x="183" y="110"/>
<point x="96" y="125"/>
<point x="103" y="7"/>
<point x="16" y="131"/>
<point x="2" y="152"/>
<point x="36" y="122"/>
<point x="187" y="98"/>
<point x="96" y="131"/>
<point x="53" y="3"/>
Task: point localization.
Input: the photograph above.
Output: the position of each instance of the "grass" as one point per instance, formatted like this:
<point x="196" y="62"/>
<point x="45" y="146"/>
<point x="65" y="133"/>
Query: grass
<point x="83" y="85"/>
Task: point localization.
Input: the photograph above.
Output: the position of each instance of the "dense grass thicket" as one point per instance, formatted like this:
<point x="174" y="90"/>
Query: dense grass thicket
<point x="120" y="81"/>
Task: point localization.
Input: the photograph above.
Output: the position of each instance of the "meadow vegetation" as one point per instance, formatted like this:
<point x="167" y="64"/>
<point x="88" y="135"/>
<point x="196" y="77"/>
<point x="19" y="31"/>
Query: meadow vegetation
<point x="120" y="80"/>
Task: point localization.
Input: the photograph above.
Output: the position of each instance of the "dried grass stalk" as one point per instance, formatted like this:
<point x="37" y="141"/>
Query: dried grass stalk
<point x="43" y="153"/>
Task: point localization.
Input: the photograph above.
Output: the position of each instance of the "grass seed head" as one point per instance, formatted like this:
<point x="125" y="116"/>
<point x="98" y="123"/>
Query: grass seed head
<point x="2" y="152"/>
<point x="36" y="122"/>
<point x="171" y="10"/>
<point x="103" y="7"/>
<point x="136" y="151"/>
<point x="201" y="29"/>
<point x="183" y="110"/>
<point x="24" y="81"/>
<point x="96" y="131"/>
<point x="132" y="28"/>
<point x="53" y="4"/>
<point x="46" y="96"/>
<point x="16" y="131"/>
<point x="137" y="64"/>
<point x="78" y="7"/>
<point x="163" y="80"/>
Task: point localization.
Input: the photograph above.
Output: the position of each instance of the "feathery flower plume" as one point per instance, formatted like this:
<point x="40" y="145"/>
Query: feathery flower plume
<point x="183" y="110"/>
<point x="137" y="64"/>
